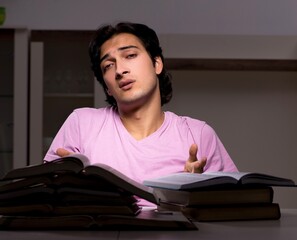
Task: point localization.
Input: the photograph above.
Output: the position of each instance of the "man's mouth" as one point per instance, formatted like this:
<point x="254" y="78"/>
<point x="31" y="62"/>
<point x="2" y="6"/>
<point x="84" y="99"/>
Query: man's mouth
<point x="126" y="84"/>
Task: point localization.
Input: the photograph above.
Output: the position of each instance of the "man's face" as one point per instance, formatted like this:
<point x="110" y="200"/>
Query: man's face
<point x="128" y="70"/>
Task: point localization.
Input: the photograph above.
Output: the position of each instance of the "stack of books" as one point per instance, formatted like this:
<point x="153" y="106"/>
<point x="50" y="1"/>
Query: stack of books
<point x="219" y="196"/>
<point x="69" y="193"/>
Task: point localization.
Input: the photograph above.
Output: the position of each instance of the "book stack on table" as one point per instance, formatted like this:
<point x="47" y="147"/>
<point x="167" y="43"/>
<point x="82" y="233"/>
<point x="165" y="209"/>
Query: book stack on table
<point x="68" y="193"/>
<point x="219" y="196"/>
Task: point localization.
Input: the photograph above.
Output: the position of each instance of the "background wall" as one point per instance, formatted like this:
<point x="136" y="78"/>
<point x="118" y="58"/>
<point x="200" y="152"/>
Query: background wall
<point x="253" y="17"/>
<point x="254" y="113"/>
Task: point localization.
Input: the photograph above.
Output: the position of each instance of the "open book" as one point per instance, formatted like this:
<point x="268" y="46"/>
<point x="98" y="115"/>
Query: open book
<point x="189" y="181"/>
<point x="98" y="174"/>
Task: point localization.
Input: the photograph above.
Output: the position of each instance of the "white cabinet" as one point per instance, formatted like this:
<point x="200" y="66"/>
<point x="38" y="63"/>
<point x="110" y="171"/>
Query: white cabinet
<point x="13" y="98"/>
<point x="61" y="80"/>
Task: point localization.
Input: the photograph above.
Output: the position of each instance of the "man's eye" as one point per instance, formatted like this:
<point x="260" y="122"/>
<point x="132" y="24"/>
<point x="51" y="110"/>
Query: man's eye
<point x="107" y="66"/>
<point x="132" y="55"/>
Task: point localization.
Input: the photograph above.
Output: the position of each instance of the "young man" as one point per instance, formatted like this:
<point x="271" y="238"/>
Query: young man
<point x="134" y="135"/>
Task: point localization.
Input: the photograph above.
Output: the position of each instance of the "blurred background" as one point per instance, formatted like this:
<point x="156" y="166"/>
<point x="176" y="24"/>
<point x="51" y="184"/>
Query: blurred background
<point x="234" y="65"/>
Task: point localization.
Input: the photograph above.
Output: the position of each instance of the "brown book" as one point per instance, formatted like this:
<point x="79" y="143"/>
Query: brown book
<point x="93" y="210"/>
<point x="23" y="209"/>
<point x="79" y="164"/>
<point x="59" y="180"/>
<point x="64" y="195"/>
<point x="217" y="196"/>
<point x="261" y="211"/>
<point x="36" y="194"/>
<point x="40" y="199"/>
<point x="51" y="210"/>
<point x="69" y="186"/>
<point x="145" y="220"/>
<point x="79" y="196"/>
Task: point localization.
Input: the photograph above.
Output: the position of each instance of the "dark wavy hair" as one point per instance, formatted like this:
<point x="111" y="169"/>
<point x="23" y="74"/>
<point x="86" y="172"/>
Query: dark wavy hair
<point x="150" y="41"/>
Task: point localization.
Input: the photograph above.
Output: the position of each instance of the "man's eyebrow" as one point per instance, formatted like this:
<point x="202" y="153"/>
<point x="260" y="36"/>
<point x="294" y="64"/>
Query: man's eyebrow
<point x="119" y="49"/>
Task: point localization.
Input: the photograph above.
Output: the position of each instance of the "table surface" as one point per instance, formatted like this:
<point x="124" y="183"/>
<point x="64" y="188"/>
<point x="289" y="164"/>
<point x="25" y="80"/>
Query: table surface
<point x="285" y="228"/>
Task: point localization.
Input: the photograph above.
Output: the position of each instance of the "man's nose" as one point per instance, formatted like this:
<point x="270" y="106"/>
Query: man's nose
<point x="121" y="70"/>
<point x="120" y="75"/>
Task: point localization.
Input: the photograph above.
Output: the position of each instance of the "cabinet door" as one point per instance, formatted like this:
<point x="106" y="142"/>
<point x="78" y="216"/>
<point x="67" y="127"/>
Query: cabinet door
<point x="61" y="80"/>
<point x="13" y="98"/>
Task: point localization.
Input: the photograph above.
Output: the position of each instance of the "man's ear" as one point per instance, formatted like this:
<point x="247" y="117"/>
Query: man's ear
<point x="158" y="65"/>
<point x="108" y="92"/>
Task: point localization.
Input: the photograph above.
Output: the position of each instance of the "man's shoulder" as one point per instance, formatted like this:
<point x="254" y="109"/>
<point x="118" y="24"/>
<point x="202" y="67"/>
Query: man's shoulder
<point x="93" y="116"/>
<point x="194" y="125"/>
<point x="186" y="119"/>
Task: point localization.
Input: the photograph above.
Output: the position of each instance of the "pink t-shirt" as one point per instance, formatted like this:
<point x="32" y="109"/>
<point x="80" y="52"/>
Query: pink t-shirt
<point x="100" y="135"/>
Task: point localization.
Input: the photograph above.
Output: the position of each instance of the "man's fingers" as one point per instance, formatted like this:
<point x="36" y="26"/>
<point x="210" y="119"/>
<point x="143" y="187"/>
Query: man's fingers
<point x="63" y="152"/>
<point x="193" y="165"/>
<point x="199" y="165"/>
<point x="193" y="153"/>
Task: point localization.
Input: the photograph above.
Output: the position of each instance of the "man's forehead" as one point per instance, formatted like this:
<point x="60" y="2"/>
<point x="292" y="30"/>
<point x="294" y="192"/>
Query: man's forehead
<point x="119" y="42"/>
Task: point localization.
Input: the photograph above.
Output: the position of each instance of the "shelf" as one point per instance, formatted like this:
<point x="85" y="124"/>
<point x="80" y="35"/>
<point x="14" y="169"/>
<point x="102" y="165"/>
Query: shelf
<point x="69" y="95"/>
<point x="231" y="64"/>
<point x="6" y="95"/>
<point x="4" y="151"/>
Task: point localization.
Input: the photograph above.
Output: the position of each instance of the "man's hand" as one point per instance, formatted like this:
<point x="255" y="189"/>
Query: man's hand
<point x="63" y="152"/>
<point x="193" y="165"/>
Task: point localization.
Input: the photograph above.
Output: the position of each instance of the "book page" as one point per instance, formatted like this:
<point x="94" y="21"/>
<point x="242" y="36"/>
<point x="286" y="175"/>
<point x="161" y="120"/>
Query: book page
<point x="256" y="178"/>
<point x="236" y="175"/>
<point x="184" y="180"/>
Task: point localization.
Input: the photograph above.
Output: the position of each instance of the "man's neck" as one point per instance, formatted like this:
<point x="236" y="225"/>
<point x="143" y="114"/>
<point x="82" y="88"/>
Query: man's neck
<point x="142" y="122"/>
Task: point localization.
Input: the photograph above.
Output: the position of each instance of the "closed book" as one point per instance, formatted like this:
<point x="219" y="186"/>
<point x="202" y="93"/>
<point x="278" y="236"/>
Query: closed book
<point x="217" y="196"/>
<point x="240" y="212"/>
<point x="145" y="220"/>
<point x="52" y="210"/>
